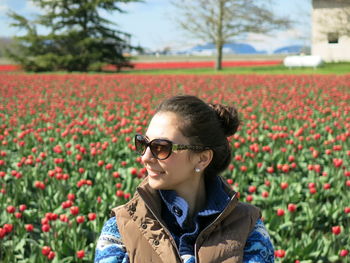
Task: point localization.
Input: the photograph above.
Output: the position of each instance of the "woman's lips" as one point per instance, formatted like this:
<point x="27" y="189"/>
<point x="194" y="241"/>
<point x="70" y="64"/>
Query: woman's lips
<point x="154" y="173"/>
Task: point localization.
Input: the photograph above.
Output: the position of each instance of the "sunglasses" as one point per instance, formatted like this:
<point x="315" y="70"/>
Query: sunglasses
<point x="161" y="149"/>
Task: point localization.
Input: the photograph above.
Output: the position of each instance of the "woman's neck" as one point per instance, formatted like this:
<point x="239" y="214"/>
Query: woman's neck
<point x="195" y="196"/>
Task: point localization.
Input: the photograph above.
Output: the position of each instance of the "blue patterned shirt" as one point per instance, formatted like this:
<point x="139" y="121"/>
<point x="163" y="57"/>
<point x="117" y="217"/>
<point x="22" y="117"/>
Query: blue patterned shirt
<point x="258" y="248"/>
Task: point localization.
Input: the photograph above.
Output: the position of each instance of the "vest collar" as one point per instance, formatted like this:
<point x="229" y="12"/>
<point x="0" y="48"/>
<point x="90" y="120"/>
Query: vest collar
<point x="216" y="201"/>
<point x="152" y="197"/>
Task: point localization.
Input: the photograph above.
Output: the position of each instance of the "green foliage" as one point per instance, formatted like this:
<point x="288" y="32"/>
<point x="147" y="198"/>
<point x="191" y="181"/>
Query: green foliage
<point x="79" y="38"/>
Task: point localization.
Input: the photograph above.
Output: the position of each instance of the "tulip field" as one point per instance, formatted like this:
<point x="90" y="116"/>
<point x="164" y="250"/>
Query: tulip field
<point x="67" y="157"/>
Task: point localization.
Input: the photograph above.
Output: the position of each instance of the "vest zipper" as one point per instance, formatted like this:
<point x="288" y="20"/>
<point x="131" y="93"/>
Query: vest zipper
<point x="165" y="229"/>
<point x="201" y="233"/>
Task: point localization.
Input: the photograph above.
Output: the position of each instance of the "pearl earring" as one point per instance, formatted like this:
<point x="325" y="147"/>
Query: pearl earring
<point x="197" y="170"/>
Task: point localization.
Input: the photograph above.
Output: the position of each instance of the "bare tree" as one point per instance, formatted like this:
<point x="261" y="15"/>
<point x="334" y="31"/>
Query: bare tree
<point x="221" y="21"/>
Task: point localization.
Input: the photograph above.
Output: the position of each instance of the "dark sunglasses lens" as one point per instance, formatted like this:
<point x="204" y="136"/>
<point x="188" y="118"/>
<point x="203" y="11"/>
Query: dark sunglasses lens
<point x="161" y="149"/>
<point x="140" y="144"/>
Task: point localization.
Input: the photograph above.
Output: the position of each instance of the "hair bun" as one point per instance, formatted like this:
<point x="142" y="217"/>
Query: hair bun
<point x="228" y="117"/>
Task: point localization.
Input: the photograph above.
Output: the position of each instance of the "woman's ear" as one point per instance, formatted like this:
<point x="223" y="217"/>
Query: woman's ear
<point x="205" y="158"/>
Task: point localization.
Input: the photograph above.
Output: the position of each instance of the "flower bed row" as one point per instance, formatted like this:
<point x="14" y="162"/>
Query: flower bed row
<point x="9" y="67"/>
<point x="176" y="65"/>
<point x="198" y="64"/>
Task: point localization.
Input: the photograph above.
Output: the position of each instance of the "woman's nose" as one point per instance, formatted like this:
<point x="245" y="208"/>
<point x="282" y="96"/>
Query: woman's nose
<point x="147" y="156"/>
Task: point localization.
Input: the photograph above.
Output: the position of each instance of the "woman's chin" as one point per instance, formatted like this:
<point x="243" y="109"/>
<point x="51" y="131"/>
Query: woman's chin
<point x="155" y="183"/>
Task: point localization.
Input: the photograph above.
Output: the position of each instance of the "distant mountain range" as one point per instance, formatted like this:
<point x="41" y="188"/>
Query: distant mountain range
<point x="290" y="49"/>
<point x="206" y="49"/>
<point x="241" y="48"/>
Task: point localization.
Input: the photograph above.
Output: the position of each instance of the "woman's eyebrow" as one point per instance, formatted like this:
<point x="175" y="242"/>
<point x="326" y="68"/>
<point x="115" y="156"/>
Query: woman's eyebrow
<point x="159" y="138"/>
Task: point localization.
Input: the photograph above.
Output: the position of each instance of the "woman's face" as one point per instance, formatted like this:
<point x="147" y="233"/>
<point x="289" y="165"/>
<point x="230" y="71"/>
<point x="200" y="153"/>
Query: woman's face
<point x="177" y="172"/>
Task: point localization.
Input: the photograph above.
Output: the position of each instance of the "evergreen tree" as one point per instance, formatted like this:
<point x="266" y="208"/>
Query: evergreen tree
<point x="78" y="38"/>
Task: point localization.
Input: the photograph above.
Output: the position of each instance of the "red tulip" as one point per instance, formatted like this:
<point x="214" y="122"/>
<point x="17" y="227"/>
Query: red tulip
<point x="127" y="196"/>
<point x="252" y="189"/>
<point x="80" y="219"/>
<point x="280" y="212"/>
<point x="74" y="210"/>
<point x="45" y="221"/>
<point x="67" y="204"/>
<point x="119" y="193"/>
<point x="2" y="233"/>
<point x="45" y="250"/>
<point x="284" y="185"/>
<point x="45" y="228"/>
<point x="337" y="162"/>
<point x="243" y="168"/>
<point x="312" y="185"/>
<point x="313" y="191"/>
<point x="10" y="209"/>
<point x="299" y="132"/>
<point x="92" y="216"/>
<point x="327" y="186"/>
<point x="71" y="197"/>
<point x="51" y="255"/>
<point x="292" y="207"/>
<point x="80" y="254"/>
<point x="22" y="207"/>
<point x="336" y="230"/>
<point x="265" y="194"/>
<point x="347" y="183"/>
<point x="8" y="228"/>
<point x="249" y="198"/>
<point x="39" y="185"/>
<point x="270" y="169"/>
<point x="18" y="215"/>
<point x="29" y="227"/>
<point x="285" y="168"/>
<point x="280" y="253"/>
<point x="64" y="218"/>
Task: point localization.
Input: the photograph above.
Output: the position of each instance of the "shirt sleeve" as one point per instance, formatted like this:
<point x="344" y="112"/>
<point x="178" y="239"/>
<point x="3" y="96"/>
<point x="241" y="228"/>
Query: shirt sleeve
<point x="259" y="248"/>
<point x="110" y="248"/>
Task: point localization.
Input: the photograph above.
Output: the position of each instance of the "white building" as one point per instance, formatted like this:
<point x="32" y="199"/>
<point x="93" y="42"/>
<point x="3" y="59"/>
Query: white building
<point x="331" y="30"/>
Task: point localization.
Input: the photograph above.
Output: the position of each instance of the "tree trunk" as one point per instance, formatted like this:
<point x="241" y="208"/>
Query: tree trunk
<point x="219" y="38"/>
<point x="218" y="62"/>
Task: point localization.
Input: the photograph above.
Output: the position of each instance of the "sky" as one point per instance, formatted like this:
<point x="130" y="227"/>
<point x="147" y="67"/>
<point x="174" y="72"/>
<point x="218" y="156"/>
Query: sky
<point x="152" y="24"/>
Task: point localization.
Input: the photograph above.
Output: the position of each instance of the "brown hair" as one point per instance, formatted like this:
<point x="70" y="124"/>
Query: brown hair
<point x="207" y="125"/>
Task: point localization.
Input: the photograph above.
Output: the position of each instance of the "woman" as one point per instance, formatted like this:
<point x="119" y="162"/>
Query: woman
<point x="184" y="211"/>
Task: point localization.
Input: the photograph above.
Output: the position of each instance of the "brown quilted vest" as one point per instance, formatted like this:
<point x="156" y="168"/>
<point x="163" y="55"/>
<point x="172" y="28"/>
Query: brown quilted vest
<point x="147" y="240"/>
